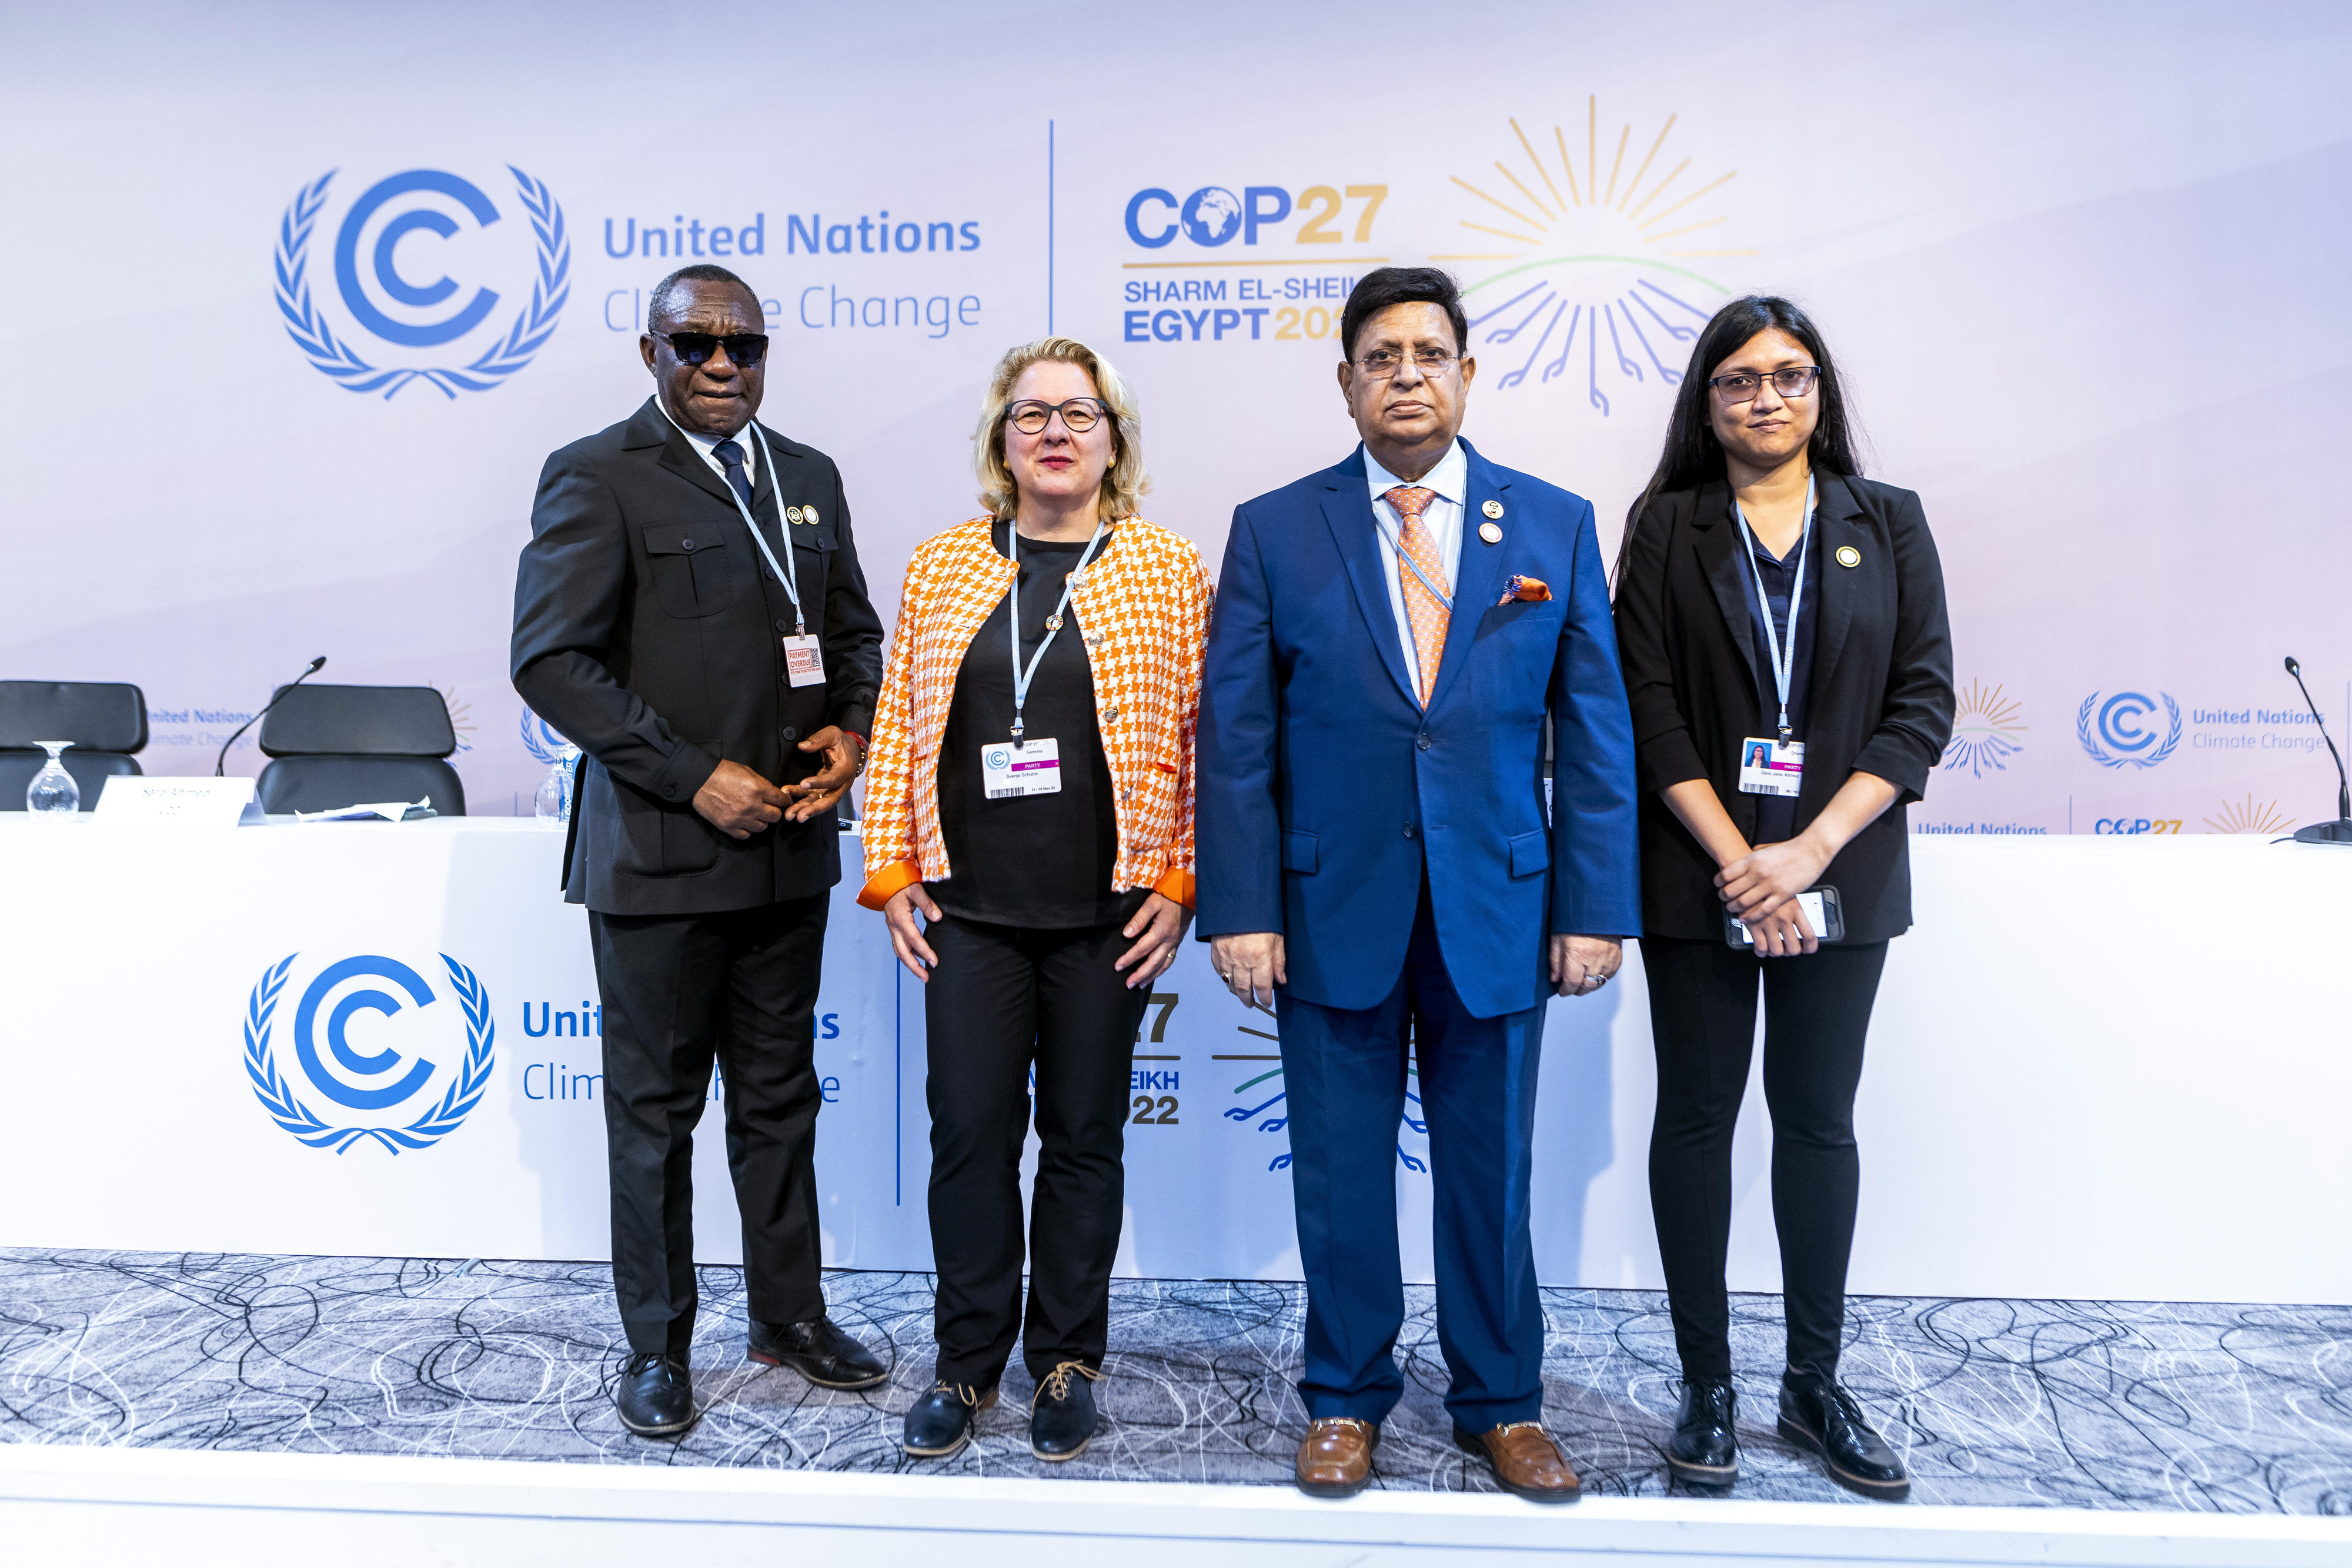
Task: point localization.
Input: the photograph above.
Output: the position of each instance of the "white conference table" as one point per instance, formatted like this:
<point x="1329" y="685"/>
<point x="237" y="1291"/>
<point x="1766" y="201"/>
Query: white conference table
<point x="2099" y="1068"/>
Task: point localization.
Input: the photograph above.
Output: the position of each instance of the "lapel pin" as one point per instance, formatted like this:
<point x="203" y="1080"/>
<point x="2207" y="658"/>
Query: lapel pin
<point x="808" y="515"/>
<point x="791" y="514"/>
<point x="1488" y="531"/>
<point x="1493" y="508"/>
<point x="1848" y="556"/>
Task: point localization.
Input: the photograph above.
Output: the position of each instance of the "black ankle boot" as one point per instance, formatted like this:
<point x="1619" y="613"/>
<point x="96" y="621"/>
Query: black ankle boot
<point x="1704" y="1449"/>
<point x="940" y="1423"/>
<point x="1819" y="1415"/>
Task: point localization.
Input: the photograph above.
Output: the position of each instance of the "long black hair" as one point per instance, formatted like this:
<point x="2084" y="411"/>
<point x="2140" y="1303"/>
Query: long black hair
<point x="1691" y="455"/>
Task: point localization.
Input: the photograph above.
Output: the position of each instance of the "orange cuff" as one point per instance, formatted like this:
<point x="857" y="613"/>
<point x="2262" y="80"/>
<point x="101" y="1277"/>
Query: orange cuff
<point x="1175" y="885"/>
<point x="888" y="883"/>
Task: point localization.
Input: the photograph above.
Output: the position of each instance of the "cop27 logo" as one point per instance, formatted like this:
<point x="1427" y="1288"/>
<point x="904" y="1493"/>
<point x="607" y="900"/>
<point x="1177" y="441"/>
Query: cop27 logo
<point x="361" y="1085"/>
<point x="380" y="250"/>
<point x="2113" y="734"/>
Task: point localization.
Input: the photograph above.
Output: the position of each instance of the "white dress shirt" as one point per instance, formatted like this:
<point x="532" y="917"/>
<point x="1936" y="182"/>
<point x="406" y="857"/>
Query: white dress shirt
<point x="742" y="438"/>
<point x="1443" y="520"/>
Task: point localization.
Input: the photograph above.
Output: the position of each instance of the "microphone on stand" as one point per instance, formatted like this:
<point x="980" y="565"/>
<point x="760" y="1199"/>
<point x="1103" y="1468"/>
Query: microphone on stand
<point x="2338" y="832"/>
<point x="316" y="666"/>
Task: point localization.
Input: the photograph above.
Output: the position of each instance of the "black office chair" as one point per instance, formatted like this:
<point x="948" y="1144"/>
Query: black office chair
<point x="106" y="721"/>
<point x="340" y="745"/>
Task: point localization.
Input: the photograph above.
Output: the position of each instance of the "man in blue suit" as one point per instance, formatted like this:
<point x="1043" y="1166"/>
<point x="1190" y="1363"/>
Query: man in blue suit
<point x="1380" y="865"/>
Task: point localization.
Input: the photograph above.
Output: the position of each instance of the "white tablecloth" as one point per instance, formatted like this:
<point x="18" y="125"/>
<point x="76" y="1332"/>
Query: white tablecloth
<point x="2106" y="1068"/>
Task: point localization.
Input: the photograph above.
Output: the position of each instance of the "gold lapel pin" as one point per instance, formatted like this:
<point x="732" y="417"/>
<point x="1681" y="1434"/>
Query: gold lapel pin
<point x="808" y="515"/>
<point x="1493" y="508"/>
<point x="1489" y="532"/>
<point x="1848" y="556"/>
<point x="791" y="514"/>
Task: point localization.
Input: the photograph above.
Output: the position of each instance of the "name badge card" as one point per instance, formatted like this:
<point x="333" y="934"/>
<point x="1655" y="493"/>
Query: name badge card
<point x="1021" y="767"/>
<point x="1771" y="767"/>
<point x="804" y="661"/>
<point x="178" y="802"/>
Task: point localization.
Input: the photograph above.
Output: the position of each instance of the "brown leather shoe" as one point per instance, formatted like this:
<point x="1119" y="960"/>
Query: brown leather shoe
<point x="1524" y="1458"/>
<point x="1336" y="1459"/>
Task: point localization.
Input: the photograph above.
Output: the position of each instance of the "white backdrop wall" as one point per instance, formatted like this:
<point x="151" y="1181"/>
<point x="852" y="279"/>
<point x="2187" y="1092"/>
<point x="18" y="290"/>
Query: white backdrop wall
<point x="2081" y="263"/>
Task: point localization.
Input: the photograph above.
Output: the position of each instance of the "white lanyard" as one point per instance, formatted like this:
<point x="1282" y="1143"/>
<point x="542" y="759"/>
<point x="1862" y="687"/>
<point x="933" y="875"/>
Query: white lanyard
<point x="1020" y="677"/>
<point x="791" y="587"/>
<point x="1784" y="659"/>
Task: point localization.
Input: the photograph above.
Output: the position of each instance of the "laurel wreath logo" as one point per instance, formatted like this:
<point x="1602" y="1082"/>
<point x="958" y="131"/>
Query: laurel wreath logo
<point x="2099" y="754"/>
<point x="541" y="739"/>
<point x="332" y="357"/>
<point x="278" y="1098"/>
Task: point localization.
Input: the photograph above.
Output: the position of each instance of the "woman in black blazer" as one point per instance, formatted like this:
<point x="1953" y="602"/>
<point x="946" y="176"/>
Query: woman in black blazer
<point x="1756" y="509"/>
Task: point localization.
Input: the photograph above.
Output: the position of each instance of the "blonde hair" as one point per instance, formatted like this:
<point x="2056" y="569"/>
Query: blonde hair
<point x="1124" y="482"/>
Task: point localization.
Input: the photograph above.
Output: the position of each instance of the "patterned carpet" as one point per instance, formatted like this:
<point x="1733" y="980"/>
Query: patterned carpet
<point x="2101" y="1405"/>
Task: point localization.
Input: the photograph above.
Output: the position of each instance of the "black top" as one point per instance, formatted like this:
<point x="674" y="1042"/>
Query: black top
<point x="1879" y="699"/>
<point x="1776" y="815"/>
<point x="650" y="630"/>
<point x="1042" y="861"/>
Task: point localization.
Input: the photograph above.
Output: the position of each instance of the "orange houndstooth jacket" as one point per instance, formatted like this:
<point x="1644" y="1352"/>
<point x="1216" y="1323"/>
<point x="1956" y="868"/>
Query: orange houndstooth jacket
<point x="1142" y="610"/>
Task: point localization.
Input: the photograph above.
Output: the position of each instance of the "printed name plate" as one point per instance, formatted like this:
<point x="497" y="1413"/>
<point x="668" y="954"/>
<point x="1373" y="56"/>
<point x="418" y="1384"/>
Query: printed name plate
<point x="179" y="802"/>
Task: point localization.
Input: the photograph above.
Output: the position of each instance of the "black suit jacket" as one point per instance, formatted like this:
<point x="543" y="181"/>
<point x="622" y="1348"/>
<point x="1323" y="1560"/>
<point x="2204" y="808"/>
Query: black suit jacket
<point x="649" y="631"/>
<point x="1881" y="700"/>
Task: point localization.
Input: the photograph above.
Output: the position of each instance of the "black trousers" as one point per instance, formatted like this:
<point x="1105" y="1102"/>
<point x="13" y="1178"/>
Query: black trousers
<point x="680" y="992"/>
<point x="1703" y="1020"/>
<point x="1002" y="999"/>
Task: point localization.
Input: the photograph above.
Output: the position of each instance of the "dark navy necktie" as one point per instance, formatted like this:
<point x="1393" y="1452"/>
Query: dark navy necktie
<point x="729" y="453"/>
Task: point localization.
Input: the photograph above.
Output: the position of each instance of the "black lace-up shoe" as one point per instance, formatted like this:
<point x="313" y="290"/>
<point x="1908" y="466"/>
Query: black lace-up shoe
<point x="656" y="1397"/>
<point x="1705" y="1450"/>
<point x="1062" y="1417"/>
<point x="942" y="1421"/>
<point x="819" y="1352"/>
<point x="1817" y="1414"/>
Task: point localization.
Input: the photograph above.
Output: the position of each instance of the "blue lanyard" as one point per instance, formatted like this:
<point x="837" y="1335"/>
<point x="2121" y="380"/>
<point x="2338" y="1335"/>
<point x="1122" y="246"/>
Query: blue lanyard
<point x="1389" y="538"/>
<point x="1020" y="677"/>
<point x="1784" y="659"/>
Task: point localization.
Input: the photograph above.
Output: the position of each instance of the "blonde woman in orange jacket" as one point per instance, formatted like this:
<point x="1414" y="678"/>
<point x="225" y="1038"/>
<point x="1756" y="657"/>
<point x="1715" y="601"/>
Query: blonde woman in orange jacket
<point x="1029" y="796"/>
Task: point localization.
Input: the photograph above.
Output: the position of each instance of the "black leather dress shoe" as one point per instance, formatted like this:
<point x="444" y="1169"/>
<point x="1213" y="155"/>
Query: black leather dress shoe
<point x="818" y="1351"/>
<point x="1062" y="1417"/>
<point x="1816" y="1414"/>
<point x="940" y="1423"/>
<point x="656" y="1397"/>
<point x="1705" y="1450"/>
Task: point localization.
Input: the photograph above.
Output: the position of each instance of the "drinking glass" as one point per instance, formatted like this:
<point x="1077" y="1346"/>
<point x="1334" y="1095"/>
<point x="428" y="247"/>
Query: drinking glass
<point x="53" y="793"/>
<point x="553" y="802"/>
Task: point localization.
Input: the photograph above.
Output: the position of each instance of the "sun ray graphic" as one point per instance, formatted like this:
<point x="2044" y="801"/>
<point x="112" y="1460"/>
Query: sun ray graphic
<point x="1594" y="285"/>
<point x="2247" y="817"/>
<point x="1986" y="731"/>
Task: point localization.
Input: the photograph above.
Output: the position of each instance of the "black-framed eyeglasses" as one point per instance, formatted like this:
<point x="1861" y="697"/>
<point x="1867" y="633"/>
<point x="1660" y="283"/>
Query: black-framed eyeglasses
<point x="745" y="348"/>
<point x="1080" y="415"/>
<point x="1381" y="363"/>
<point x="1741" y="386"/>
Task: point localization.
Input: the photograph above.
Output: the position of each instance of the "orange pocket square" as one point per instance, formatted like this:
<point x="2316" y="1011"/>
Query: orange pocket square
<point x="1534" y="590"/>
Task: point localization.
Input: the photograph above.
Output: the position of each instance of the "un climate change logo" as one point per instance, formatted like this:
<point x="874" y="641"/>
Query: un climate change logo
<point x="413" y="319"/>
<point x="2112" y="734"/>
<point x="368" y="1082"/>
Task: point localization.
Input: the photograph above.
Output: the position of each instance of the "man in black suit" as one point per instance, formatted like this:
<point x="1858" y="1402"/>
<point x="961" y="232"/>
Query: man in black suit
<point x="722" y="708"/>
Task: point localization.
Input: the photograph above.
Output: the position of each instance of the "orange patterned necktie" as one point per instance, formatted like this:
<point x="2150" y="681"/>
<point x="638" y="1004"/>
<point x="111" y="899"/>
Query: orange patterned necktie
<point x="1424" y="609"/>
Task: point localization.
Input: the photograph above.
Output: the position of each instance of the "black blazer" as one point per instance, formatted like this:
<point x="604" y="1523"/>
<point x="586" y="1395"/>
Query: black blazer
<point x="1881" y="699"/>
<point x="649" y="631"/>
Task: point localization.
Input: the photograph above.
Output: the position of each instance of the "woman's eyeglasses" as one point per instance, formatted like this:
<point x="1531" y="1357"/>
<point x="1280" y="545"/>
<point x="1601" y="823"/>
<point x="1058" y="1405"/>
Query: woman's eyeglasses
<point x="1080" y="415"/>
<point x="1742" y="386"/>
<point x="745" y="348"/>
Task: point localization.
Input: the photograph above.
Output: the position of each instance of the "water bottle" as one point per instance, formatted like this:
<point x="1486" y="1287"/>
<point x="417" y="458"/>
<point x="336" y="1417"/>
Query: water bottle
<point x="552" y="805"/>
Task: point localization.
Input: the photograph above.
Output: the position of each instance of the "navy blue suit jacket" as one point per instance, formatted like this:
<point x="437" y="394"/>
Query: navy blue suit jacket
<point x="1323" y="784"/>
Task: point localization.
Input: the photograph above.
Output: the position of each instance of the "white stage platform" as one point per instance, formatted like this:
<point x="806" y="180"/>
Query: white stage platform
<point x="2101" y="1067"/>
<point x="68" y="1508"/>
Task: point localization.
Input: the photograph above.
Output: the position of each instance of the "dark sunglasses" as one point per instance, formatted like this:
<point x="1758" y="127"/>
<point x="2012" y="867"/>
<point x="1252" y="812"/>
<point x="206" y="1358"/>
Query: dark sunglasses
<point x="745" y="348"/>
